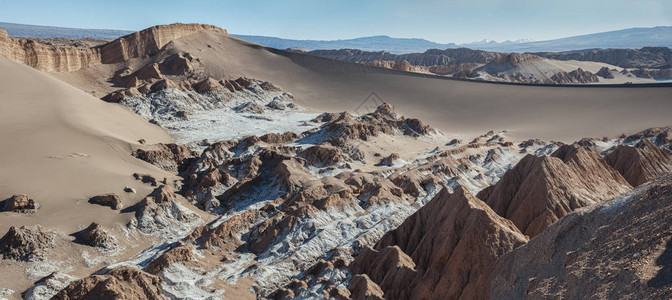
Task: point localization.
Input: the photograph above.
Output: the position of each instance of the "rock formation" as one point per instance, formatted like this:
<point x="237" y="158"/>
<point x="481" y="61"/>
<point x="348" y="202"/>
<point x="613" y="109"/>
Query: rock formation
<point x="576" y="76"/>
<point x="177" y="254"/>
<point x="166" y="156"/>
<point x="605" y="72"/>
<point x="119" y="283"/>
<point x="112" y="200"/>
<point x="540" y="190"/>
<point x="20" y="203"/>
<point x="446" y="248"/>
<point x="55" y="58"/>
<point x="647" y="57"/>
<point x="642" y="163"/>
<point x="28" y="243"/>
<point x="95" y="236"/>
<point x="615" y="249"/>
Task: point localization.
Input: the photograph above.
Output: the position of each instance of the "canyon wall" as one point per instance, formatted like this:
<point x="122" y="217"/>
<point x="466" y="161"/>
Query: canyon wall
<point x="57" y="58"/>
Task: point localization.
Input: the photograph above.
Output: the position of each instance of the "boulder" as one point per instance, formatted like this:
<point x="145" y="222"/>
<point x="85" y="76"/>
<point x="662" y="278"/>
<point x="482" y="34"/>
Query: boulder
<point x="112" y="200"/>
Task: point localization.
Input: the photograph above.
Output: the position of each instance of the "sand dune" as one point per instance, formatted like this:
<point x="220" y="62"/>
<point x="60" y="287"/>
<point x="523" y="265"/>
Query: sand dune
<point x="61" y="145"/>
<point x="562" y="113"/>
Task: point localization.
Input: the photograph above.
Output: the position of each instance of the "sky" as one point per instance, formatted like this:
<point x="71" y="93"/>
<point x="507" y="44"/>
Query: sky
<point x="457" y="21"/>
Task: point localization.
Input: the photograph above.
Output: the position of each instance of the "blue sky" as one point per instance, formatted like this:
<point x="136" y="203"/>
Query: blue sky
<point x="441" y="21"/>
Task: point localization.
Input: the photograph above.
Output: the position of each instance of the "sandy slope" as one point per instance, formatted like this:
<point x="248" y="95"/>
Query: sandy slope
<point x="61" y="146"/>
<point x="563" y="113"/>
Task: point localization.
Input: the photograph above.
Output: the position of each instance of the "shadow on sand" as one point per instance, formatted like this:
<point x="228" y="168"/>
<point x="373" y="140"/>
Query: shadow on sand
<point x="664" y="276"/>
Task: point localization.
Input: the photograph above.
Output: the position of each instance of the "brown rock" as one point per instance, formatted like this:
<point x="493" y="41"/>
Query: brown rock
<point x="207" y="85"/>
<point x="322" y="155"/>
<point x="446" y="248"/>
<point x="28" y="243"/>
<point x="169" y="157"/>
<point x="362" y="288"/>
<point x="225" y="235"/>
<point x="120" y="283"/>
<point x="148" y="73"/>
<point x="69" y="58"/>
<point x="616" y="249"/>
<point x="145" y="178"/>
<point x="178" y="254"/>
<point x="540" y="190"/>
<point x="177" y="64"/>
<point x="576" y="76"/>
<point x="162" y="194"/>
<point x="605" y="72"/>
<point x="95" y="236"/>
<point x="19" y="203"/>
<point x="112" y="200"/>
<point x="642" y="163"/>
<point x="279" y="138"/>
<point x="389" y="160"/>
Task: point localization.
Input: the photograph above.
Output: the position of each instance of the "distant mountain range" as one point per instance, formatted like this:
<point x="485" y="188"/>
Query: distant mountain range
<point x="632" y="38"/>
<point x="372" y="43"/>
<point x="48" y="32"/>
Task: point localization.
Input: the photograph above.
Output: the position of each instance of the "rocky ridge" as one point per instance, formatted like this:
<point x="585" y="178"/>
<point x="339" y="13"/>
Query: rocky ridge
<point x="57" y="58"/>
<point x="446" y="248"/>
<point x="624" y="241"/>
<point x="541" y="190"/>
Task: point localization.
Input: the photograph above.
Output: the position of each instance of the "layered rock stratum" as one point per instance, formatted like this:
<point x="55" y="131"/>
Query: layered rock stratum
<point x="56" y="58"/>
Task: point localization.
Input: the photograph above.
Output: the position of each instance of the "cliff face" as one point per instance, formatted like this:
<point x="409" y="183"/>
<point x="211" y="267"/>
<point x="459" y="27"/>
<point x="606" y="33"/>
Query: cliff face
<point x="56" y="58"/>
<point x="150" y="40"/>
<point x="48" y="58"/>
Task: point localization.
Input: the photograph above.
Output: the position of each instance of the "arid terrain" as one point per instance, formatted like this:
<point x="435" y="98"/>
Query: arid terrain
<point x="179" y="162"/>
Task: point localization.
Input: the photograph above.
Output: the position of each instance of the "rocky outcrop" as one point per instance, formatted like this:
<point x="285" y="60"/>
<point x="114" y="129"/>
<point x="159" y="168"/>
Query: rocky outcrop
<point x="661" y="136"/>
<point x="95" y="236"/>
<point x="389" y="160"/>
<point x="540" y="190"/>
<point x="401" y="65"/>
<point x="149" y="41"/>
<point x="166" y="156"/>
<point x="576" y="76"/>
<point x="279" y="138"/>
<point x="446" y="248"/>
<point x="177" y="254"/>
<point x="344" y="127"/>
<point x="640" y="163"/>
<point x="605" y="72"/>
<point x="48" y="58"/>
<point x="28" y="243"/>
<point x="512" y="60"/>
<point x="161" y="213"/>
<point x="432" y="57"/>
<point x="112" y="200"/>
<point x="647" y="57"/>
<point x="362" y="288"/>
<point x="58" y="58"/>
<point x="119" y="283"/>
<point x="20" y="203"/>
<point x="617" y="249"/>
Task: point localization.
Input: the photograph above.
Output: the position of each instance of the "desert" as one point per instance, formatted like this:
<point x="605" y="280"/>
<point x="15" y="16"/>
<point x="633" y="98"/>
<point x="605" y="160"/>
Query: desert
<point x="182" y="161"/>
